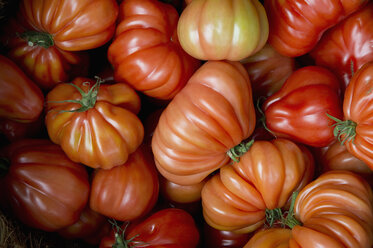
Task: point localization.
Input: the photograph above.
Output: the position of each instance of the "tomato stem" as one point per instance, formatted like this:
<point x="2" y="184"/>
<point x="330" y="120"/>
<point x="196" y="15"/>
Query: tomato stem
<point x="343" y="130"/>
<point x="236" y="152"/>
<point x="120" y="239"/>
<point x="35" y="38"/>
<point x="262" y="119"/>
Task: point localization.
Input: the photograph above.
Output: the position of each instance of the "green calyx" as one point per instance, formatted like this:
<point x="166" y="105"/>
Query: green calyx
<point x="286" y="219"/>
<point x="236" y="152"/>
<point x="35" y="38"/>
<point x="343" y="130"/>
<point x="120" y="239"/>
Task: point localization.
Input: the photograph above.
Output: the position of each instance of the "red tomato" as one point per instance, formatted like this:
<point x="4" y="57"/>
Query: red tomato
<point x="13" y="130"/>
<point x="44" y="188"/>
<point x="348" y="46"/>
<point x="167" y="228"/>
<point x="146" y="52"/>
<point x="100" y="131"/>
<point x="128" y="191"/>
<point x="223" y="30"/>
<point x="295" y="26"/>
<point x="298" y="111"/>
<point x="355" y="130"/>
<point x="213" y="113"/>
<point x="20" y="99"/>
<point x="268" y="71"/>
<point x="239" y="196"/>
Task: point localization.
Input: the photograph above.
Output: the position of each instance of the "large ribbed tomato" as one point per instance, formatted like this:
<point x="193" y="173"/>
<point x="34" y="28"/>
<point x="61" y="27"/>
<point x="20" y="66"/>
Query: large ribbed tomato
<point x="213" y="113"/>
<point x="296" y="26"/>
<point x="240" y="195"/>
<point x="348" y="46"/>
<point x="335" y="210"/>
<point x="223" y="29"/>
<point x="146" y="52"/>
<point x="356" y="129"/>
<point x="95" y="124"/>
<point x="43" y="188"/>
<point x="299" y="110"/>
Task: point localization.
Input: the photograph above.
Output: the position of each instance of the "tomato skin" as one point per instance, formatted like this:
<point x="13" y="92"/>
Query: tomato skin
<point x="102" y="136"/>
<point x="167" y="228"/>
<point x="296" y="27"/>
<point x="128" y="191"/>
<point x="348" y="42"/>
<point x="20" y="99"/>
<point x="223" y="30"/>
<point x="146" y="52"/>
<point x="209" y="116"/>
<point x="236" y="198"/>
<point x="44" y="188"/>
<point x="268" y="70"/>
<point x="298" y="111"/>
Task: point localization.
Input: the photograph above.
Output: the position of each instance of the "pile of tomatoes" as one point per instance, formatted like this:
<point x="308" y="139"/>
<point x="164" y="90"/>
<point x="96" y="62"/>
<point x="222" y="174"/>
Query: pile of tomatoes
<point x="203" y="123"/>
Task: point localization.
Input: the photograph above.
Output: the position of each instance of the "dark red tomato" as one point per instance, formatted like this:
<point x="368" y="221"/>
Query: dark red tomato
<point x="167" y="228"/>
<point x="296" y="26"/>
<point x="128" y="191"/>
<point x="348" y="46"/>
<point x="146" y="52"/>
<point x="44" y="188"/>
<point x="298" y="111"/>
<point x="13" y="130"/>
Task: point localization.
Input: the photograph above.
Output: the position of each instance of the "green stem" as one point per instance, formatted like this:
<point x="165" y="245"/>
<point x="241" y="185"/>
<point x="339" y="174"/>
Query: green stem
<point x="120" y="239"/>
<point x="236" y="152"/>
<point x="35" y="38"/>
<point x="343" y="130"/>
<point x="290" y="219"/>
<point x="262" y="118"/>
<point x="273" y="215"/>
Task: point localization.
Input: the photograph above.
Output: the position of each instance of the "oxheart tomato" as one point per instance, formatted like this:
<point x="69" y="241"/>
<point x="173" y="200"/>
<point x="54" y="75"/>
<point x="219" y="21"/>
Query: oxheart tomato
<point x="223" y="29"/>
<point x="44" y="188"/>
<point x="167" y="228"/>
<point x="20" y="99"/>
<point x="348" y="46"/>
<point x="146" y="52"/>
<point x="128" y="191"/>
<point x="299" y="110"/>
<point x="213" y="113"/>
<point x="336" y="211"/>
<point x="239" y="197"/>
<point x="95" y="124"/>
<point x="355" y="130"/>
<point x="295" y="26"/>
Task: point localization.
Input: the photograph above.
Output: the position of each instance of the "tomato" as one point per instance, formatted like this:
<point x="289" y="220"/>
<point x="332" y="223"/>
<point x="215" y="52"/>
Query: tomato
<point x="355" y="131"/>
<point x="20" y="99"/>
<point x="295" y="26"/>
<point x="239" y="197"/>
<point x="102" y="129"/>
<point x="347" y="46"/>
<point x="146" y="52"/>
<point x="128" y="191"/>
<point x="209" y="116"/>
<point x="44" y="188"/>
<point x="90" y="227"/>
<point x="13" y="130"/>
<point x="167" y="228"/>
<point x="223" y="29"/>
<point x="268" y="71"/>
<point x="299" y="110"/>
<point x="336" y="210"/>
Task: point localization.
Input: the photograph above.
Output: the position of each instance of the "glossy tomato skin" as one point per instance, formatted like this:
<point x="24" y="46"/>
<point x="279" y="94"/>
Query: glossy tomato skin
<point x="268" y="70"/>
<point x="298" y="111"/>
<point x="223" y="29"/>
<point x="128" y="191"/>
<point x="146" y="52"/>
<point x="44" y="188"/>
<point x="167" y="228"/>
<point x="356" y="107"/>
<point x="21" y="100"/>
<point x="296" y="27"/>
<point x="236" y="198"/>
<point x="213" y="113"/>
<point x="102" y="136"/>
<point x="347" y="46"/>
